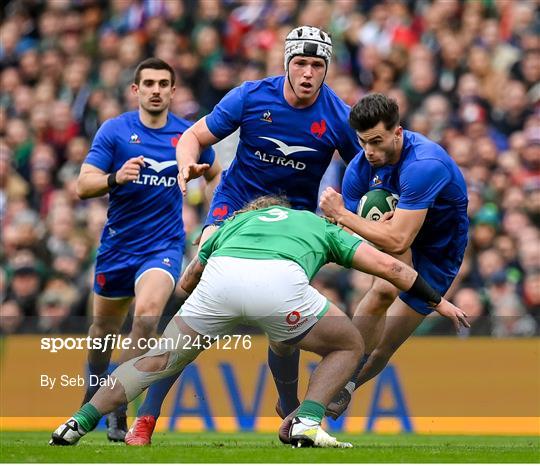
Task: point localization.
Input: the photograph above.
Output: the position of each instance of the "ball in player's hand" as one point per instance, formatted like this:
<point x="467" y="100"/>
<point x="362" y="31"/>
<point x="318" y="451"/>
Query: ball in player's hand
<point x="375" y="203"/>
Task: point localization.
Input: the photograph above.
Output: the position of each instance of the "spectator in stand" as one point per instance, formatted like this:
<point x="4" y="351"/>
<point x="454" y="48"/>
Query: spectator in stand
<point x="465" y="74"/>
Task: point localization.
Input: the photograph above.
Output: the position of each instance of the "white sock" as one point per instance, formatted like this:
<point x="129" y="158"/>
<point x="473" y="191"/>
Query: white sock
<point x="308" y="422"/>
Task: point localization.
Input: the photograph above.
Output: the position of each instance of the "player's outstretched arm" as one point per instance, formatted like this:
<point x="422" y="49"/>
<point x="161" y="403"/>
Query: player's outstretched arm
<point x="188" y="150"/>
<point x="94" y="182"/>
<point x="370" y="260"/>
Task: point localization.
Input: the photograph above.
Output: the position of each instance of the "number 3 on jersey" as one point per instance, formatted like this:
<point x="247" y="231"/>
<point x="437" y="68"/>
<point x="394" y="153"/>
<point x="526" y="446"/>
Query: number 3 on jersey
<point x="275" y="215"/>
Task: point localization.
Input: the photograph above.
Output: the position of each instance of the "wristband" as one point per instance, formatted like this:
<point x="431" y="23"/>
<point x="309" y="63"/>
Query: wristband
<point x="111" y="180"/>
<point x="422" y="290"/>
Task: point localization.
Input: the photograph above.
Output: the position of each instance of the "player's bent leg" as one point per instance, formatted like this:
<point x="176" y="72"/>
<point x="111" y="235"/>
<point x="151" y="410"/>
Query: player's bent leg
<point x="152" y="290"/>
<point x="283" y="350"/>
<point x="140" y="433"/>
<point x="284" y="368"/>
<point x="276" y="351"/>
<point x="369" y="318"/>
<point x="108" y="315"/>
<point x="401" y="322"/>
<point x="129" y="380"/>
<point x="340" y="345"/>
<point x="370" y="313"/>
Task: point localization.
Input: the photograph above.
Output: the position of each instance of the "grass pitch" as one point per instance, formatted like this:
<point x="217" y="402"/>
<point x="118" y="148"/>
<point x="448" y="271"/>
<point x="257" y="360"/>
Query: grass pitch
<point x="169" y="447"/>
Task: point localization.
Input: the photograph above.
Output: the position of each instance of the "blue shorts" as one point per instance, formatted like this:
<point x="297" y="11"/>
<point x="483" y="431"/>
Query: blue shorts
<point x="221" y="208"/>
<point x="438" y="272"/>
<point x="117" y="272"/>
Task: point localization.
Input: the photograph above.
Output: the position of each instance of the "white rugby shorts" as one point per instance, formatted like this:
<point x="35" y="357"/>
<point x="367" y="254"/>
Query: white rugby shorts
<point x="274" y="295"/>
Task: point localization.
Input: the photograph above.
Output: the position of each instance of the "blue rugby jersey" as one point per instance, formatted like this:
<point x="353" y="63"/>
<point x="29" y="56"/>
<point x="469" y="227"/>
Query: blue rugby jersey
<point x="145" y="214"/>
<point x="282" y="149"/>
<point x="425" y="177"/>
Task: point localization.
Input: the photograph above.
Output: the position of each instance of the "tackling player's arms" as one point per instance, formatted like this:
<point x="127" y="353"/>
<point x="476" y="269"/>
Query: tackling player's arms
<point x="374" y="262"/>
<point x="394" y="235"/>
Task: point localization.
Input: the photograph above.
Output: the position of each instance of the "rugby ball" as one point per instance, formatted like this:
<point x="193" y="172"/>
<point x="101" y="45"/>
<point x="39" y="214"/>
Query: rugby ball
<point x="374" y="204"/>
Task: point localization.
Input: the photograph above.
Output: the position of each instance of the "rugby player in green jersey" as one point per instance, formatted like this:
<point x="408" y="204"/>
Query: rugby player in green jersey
<point x="229" y="285"/>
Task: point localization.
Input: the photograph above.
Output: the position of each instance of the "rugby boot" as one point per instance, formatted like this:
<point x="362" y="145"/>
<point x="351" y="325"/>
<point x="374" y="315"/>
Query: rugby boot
<point x="67" y="434"/>
<point x="307" y="433"/>
<point x="116" y="426"/>
<point x="338" y="404"/>
<point x="140" y="433"/>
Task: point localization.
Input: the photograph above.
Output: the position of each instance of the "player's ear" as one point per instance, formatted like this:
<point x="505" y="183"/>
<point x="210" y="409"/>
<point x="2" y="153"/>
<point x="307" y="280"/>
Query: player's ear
<point x="398" y="132"/>
<point x="134" y="88"/>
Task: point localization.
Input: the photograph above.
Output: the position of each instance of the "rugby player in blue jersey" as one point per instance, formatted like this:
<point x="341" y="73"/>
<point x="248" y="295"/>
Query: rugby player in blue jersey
<point x="430" y="219"/>
<point x="250" y="272"/>
<point x="290" y="127"/>
<point x="132" y="158"/>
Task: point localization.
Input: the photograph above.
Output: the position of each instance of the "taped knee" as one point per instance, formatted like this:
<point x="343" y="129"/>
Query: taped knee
<point x="135" y="380"/>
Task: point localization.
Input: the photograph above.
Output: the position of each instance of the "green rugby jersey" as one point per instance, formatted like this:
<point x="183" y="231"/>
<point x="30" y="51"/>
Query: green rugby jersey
<point x="280" y="233"/>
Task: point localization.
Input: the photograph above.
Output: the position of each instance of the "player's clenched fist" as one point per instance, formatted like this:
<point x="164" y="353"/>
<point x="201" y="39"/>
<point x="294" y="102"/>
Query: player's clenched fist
<point x="130" y="170"/>
<point x="331" y="203"/>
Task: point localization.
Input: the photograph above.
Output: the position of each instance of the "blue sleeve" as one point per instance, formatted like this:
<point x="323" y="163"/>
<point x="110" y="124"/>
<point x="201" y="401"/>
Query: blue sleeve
<point x="349" y="145"/>
<point x="420" y="184"/>
<point x="227" y="114"/>
<point x="101" y="154"/>
<point x="352" y="188"/>
<point x="208" y="156"/>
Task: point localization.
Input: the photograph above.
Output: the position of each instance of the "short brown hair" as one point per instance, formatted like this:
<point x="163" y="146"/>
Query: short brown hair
<point x="154" y="64"/>
<point x="372" y="109"/>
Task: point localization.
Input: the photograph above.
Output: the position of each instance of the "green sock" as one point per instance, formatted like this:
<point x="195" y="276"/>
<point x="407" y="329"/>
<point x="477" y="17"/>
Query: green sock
<point x="311" y="410"/>
<point x="88" y="417"/>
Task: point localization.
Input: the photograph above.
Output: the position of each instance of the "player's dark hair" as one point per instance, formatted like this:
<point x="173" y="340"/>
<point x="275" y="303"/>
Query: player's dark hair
<point x="154" y="64"/>
<point x="371" y="110"/>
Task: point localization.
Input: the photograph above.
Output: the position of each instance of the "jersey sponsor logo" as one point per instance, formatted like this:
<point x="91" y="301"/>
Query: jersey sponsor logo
<point x="267" y="116"/>
<point x="134" y="139"/>
<point x="159" y="166"/>
<point x="293" y="317"/>
<point x="318" y="128"/>
<point x="155" y="180"/>
<point x="220" y="211"/>
<point x="174" y="141"/>
<point x="166" y="261"/>
<point x="286" y="150"/>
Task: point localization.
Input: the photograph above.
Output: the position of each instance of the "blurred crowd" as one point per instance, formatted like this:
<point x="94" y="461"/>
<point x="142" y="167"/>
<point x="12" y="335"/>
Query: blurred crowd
<point x="465" y="73"/>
